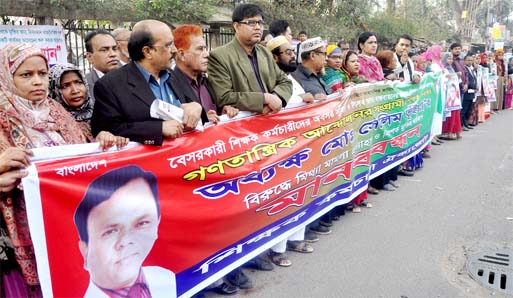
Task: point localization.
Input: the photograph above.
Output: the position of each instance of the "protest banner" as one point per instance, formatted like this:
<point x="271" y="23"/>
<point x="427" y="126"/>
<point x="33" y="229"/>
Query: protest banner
<point x="453" y="95"/>
<point x="49" y="38"/>
<point x="230" y="192"/>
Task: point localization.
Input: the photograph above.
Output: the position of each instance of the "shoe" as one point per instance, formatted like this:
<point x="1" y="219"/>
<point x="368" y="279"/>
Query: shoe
<point x="426" y="155"/>
<point x="321" y="230"/>
<point x="260" y="263"/>
<point x="372" y="190"/>
<point x="335" y="217"/>
<point x="299" y="246"/>
<point x="225" y="289"/>
<point x="388" y="187"/>
<point x="239" y="279"/>
<point x="406" y="173"/>
<point x="356" y="209"/>
<point x="325" y="223"/>
<point x="435" y="143"/>
<point x="279" y="259"/>
<point x="311" y="237"/>
<point x="394" y="183"/>
<point x="469" y="127"/>
<point x="365" y="204"/>
<point x="464" y="128"/>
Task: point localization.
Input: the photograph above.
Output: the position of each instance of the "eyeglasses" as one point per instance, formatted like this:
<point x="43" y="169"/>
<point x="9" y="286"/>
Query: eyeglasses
<point x="166" y="47"/>
<point x="253" y="23"/>
<point x="289" y="52"/>
<point x="321" y="53"/>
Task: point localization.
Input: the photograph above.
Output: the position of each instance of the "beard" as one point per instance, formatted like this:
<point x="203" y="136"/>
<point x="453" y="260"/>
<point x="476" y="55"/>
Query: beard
<point x="287" y="67"/>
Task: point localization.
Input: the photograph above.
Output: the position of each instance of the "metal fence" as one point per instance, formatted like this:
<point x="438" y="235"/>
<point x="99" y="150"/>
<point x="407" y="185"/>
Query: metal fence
<point x="75" y="31"/>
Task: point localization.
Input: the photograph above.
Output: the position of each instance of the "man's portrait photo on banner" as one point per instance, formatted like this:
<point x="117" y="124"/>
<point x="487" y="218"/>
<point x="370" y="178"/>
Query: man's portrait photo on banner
<point x="117" y="221"/>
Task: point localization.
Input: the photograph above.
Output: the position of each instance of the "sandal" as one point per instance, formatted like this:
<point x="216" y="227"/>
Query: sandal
<point x="279" y="259"/>
<point x="299" y="246"/>
<point x="357" y="209"/>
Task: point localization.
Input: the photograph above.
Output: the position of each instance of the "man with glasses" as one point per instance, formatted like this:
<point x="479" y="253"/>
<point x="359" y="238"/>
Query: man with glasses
<point x="308" y="74"/>
<point x="124" y="96"/>
<point x="122" y="35"/>
<point x="188" y="77"/>
<point x="243" y="73"/>
<point x="102" y="54"/>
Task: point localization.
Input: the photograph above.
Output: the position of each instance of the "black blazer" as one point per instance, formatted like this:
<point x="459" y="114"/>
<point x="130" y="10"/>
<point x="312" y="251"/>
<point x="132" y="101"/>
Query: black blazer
<point x="472" y="79"/>
<point x="122" y="107"/>
<point x="185" y="92"/>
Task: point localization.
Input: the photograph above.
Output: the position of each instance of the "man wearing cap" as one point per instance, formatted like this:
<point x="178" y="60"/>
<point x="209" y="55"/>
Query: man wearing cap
<point x="285" y="58"/>
<point x="242" y="73"/>
<point x="308" y="74"/>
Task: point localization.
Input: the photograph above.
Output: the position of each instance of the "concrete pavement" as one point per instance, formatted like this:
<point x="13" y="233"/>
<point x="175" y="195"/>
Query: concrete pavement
<point x="414" y="242"/>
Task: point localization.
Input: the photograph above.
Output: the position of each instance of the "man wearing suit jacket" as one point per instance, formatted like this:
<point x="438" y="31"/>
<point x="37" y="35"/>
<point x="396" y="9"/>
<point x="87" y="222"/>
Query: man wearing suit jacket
<point x="469" y="94"/>
<point x="243" y="72"/>
<point x="189" y="79"/>
<point x="124" y="96"/>
<point x="102" y="54"/>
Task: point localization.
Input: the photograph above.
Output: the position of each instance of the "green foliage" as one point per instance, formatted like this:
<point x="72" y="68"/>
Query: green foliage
<point x="388" y="28"/>
<point x="329" y="19"/>
<point x="175" y="11"/>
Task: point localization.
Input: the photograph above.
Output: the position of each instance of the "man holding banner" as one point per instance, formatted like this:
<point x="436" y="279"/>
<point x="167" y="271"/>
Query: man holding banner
<point x="124" y="96"/>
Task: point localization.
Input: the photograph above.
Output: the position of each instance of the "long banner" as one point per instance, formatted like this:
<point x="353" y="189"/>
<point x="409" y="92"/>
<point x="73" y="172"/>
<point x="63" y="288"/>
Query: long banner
<point x="171" y="220"/>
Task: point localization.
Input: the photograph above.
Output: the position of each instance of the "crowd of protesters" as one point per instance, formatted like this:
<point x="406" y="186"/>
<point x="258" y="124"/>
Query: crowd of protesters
<point x="260" y="71"/>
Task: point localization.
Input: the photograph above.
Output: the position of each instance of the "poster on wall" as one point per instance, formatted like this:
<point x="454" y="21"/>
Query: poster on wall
<point x="49" y="38"/>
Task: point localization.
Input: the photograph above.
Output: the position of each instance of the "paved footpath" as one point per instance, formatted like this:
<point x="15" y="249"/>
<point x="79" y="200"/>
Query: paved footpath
<point x="414" y="242"/>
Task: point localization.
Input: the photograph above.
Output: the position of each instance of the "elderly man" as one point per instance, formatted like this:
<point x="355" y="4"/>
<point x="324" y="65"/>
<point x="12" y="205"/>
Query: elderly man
<point x="243" y="73"/>
<point x="102" y="54"/>
<point x="308" y="74"/>
<point x="122" y="35"/>
<point x="188" y="77"/>
<point x="124" y="96"/>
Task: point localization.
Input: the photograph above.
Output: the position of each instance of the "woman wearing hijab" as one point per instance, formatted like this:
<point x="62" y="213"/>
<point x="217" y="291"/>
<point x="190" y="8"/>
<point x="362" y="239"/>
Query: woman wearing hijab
<point x="333" y="75"/>
<point x="30" y="119"/>
<point x="451" y="126"/>
<point x="69" y="87"/>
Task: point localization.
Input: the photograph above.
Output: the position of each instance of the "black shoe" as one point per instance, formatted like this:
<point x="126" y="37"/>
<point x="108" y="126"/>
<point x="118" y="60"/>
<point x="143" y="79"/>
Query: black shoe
<point x="464" y="128"/>
<point x="225" y="289"/>
<point x="311" y="237"/>
<point x="405" y="173"/>
<point x="259" y="263"/>
<point x="321" y="230"/>
<point x="239" y="279"/>
<point x="469" y="127"/>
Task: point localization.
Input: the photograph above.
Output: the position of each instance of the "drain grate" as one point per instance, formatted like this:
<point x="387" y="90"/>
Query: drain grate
<point x="493" y="269"/>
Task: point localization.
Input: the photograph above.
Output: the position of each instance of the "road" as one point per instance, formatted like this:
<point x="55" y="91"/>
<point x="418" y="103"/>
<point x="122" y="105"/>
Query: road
<point x="415" y="241"/>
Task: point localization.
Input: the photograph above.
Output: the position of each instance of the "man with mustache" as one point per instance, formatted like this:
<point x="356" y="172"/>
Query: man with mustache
<point x="124" y="96"/>
<point x="117" y="222"/>
<point x="102" y="54"/>
<point x="243" y="73"/>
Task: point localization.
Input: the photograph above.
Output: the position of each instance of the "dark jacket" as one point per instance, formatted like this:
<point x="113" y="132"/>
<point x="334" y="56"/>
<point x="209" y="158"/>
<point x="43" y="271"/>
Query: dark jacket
<point x="122" y="107"/>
